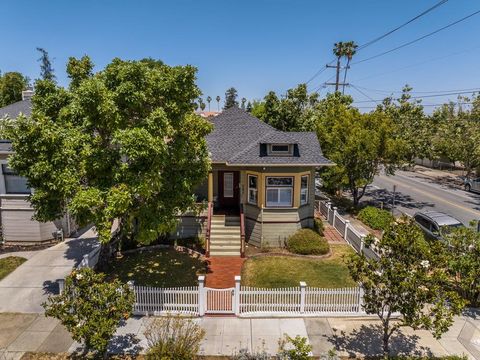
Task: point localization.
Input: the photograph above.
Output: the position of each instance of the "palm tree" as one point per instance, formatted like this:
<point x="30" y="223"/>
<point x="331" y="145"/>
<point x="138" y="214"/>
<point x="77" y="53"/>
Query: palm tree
<point x="350" y="50"/>
<point x="209" y="98"/>
<point x="340" y="50"/>
<point x="218" y="102"/>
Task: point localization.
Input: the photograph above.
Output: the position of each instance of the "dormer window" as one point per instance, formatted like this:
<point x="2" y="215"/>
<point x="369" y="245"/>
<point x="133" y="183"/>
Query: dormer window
<point x="280" y="149"/>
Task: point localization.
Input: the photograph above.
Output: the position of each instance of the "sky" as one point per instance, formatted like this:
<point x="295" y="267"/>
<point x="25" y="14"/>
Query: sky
<point x="254" y="46"/>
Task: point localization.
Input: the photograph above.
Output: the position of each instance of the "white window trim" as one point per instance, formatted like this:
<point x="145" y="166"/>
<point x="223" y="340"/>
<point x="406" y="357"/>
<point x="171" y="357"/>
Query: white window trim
<point x="278" y="187"/>
<point x="306" y="190"/>
<point x="249" y="188"/>
<point x="287" y="153"/>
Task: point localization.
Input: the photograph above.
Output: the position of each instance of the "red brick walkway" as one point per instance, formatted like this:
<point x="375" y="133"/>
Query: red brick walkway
<point x="222" y="270"/>
<point x="332" y="235"/>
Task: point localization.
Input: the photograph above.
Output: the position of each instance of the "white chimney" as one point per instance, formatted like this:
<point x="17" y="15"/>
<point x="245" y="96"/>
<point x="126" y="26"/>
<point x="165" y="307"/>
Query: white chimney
<point x="27" y="94"/>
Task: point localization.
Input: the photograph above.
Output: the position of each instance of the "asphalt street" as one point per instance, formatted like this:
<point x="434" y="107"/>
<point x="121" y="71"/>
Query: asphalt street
<point x="416" y="192"/>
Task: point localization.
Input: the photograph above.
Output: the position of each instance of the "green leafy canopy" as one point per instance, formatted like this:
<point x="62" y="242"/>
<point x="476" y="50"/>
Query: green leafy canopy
<point x="122" y="143"/>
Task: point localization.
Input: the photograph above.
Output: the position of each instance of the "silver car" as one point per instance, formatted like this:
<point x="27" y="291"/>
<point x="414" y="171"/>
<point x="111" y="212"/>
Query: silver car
<point x="472" y="184"/>
<point x="435" y="224"/>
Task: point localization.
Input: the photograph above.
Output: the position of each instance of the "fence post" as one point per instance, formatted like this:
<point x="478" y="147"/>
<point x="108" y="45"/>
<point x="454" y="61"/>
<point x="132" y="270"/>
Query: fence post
<point x="61" y="286"/>
<point x="86" y="260"/>
<point x="303" y="286"/>
<point x="360" y="299"/>
<point x="335" y="213"/>
<point x="362" y="243"/>
<point x="237" y="294"/>
<point x="131" y="285"/>
<point x="201" y="297"/>
<point x="347" y="224"/>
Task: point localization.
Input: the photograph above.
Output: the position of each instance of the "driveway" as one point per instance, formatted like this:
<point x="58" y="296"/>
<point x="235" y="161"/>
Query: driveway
<point x="29" y="285"/>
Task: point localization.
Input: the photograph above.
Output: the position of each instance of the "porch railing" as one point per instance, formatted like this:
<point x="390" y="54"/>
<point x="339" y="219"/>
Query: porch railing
<point x="242" y="232"/>
<point x="208" y="230"/>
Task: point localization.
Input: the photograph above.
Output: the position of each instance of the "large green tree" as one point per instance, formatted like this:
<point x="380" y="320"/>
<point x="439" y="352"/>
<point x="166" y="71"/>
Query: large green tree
<point x="11" y="86"/>
<point x="230" y="98"/>
<point x="409" y="279"/>
<point x="457" y="135"/>
<point x="46" y="68"/>
<point x="291" y="113"/>
<point x="359" y="144"/>
<point x="122" y="144"/>
<point x="413" y="129"/>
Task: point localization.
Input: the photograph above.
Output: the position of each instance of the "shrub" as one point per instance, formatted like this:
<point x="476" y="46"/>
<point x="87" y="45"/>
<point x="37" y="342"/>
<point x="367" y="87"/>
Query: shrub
<point x="91" y="308"/>
<point x="294" y="348"/>
<point x="173" y="337"/>
<point x="244" y="354"/>
<point x="377" y="219"/>
<point x="307" y="242"/>
<point x="318" y="226"/>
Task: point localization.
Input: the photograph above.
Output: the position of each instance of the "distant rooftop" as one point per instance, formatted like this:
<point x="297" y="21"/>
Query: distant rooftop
<point x="20" y="107"/>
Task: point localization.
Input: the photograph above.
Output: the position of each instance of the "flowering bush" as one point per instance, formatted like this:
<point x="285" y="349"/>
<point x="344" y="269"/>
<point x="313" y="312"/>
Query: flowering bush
<point x="91" y="308"/>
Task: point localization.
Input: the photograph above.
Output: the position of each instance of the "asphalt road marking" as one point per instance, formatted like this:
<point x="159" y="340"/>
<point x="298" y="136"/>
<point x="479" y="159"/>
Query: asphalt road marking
<point x="477" y="213"/>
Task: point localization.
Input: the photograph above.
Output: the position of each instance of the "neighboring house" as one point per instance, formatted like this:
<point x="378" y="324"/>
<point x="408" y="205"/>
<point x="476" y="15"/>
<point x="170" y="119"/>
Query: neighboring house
<point x="15" y="210"/>
<point x="266" y="173"/>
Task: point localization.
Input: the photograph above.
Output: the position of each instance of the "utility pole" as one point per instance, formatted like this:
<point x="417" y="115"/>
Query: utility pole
<point x="337" y="82"/>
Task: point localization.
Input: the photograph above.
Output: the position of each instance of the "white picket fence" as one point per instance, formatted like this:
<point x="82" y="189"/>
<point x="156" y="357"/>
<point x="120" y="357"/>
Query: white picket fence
<point x="245" y="301"/>
<point x="346" y="229"/>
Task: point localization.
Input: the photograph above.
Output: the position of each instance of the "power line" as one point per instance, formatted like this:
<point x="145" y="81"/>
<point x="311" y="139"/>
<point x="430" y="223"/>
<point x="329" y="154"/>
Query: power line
<point x="361" y="92"/>
<point x="322" y="69"/>
<point x="401" y="26"/>
<point x="424" y="105"/>
<point x="421" y="97"/>
<point x="455" y="91"/>
<point x="418" y="39"/>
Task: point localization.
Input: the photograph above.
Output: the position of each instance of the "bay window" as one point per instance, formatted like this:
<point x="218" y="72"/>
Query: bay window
<point x="279" y="191"/>
<point x="252" y="189"/>
<point x="304" y="190"/>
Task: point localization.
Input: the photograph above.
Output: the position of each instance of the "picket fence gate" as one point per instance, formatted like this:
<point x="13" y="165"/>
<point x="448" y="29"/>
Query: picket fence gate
<point x="244" y="301"/>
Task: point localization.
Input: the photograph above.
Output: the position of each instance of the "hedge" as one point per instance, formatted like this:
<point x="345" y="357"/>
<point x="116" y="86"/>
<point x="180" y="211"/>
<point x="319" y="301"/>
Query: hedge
<point x="377" y="219"/>
<point x="307" y="242"/>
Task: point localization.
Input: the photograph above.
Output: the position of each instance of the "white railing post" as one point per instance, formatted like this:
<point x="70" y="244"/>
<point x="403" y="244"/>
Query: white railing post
<point x="360" y="298"/>
<point x="362" y="243"/>
<point x="201" y="297"/>
<point x="237" y="295"/>
<point x="61" y="286"/>
<point x="86" y="260"/>
<point x="335" y="213"/>
<point x="131" y="284"/>
<point x="347" y="224"/>
<point x="303" y="286"/>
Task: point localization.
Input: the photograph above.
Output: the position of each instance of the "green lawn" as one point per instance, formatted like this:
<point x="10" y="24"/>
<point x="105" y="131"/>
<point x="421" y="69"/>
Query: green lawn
<point x="8" y="264"/>
<point x="160" y="267"/>
<point x="284" y="271"/>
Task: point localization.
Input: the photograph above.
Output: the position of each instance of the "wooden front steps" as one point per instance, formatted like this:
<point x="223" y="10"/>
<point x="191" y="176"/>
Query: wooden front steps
<point x="225" y="235"/>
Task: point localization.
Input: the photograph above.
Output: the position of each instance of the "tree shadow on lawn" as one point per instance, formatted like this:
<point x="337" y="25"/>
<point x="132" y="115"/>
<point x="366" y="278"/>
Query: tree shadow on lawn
<point x="159" y="267"/>
<point x="367" y="341"/>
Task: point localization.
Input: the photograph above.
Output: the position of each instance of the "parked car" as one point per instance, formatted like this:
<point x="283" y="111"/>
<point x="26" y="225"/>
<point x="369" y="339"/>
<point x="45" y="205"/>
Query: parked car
<point x="472" y="184"/>
<point x="436" y="224"/>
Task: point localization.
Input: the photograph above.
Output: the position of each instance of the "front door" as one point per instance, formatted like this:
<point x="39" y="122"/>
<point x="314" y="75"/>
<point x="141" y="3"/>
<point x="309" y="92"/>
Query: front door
<point x="229" y="189"/>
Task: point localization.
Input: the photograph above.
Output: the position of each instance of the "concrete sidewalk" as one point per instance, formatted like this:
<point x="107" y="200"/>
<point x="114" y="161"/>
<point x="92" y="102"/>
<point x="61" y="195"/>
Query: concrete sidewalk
<point x="31" y="283"/>
<point x="225" y="336"/>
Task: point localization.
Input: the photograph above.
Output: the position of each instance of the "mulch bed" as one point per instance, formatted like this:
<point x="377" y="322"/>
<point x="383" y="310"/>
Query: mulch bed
<point x="4" y="249"/>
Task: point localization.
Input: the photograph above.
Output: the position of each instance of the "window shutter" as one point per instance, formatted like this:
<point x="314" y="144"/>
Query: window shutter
<point x="263" y="150"/>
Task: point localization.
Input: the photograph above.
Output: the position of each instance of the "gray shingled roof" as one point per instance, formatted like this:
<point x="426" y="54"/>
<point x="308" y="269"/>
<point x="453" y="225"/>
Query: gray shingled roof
<point x="13" y="110"/>
<point x="237" y="136"/>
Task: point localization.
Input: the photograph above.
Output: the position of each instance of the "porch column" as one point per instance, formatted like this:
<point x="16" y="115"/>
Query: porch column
<point x="210" y="186"/>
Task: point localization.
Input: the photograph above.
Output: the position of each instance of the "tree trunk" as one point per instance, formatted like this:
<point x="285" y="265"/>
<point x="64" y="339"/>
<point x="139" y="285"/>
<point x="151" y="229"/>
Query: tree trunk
<point x="386" y="346"/>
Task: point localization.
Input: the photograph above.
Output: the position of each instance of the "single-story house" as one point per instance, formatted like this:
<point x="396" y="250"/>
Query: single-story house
<point x="261" y="185"/>
<point x="17" y="225"/>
